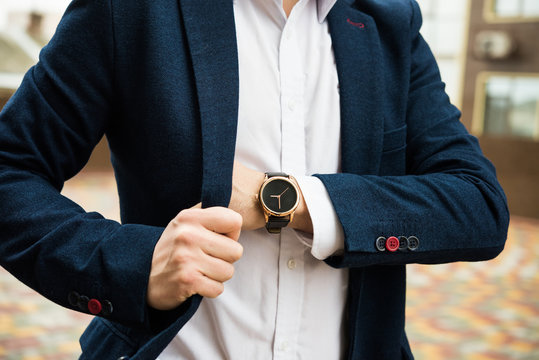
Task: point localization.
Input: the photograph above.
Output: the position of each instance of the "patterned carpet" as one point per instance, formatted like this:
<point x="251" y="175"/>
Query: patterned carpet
<point x="473" y="311"/>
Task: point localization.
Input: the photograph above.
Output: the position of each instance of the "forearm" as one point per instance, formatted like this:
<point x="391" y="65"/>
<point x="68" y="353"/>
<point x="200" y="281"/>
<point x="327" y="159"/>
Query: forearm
<point x="456" y="217"/>
<point x="46" y="237"/>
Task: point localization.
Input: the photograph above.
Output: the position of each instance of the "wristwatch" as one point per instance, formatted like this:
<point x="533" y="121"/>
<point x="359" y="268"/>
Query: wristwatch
<point x="279" y="196"/>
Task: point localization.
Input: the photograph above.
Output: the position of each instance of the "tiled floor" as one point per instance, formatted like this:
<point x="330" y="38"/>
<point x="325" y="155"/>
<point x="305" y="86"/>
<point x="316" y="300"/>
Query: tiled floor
<point x="473" y="311"/>
<point x="479" y="311"/>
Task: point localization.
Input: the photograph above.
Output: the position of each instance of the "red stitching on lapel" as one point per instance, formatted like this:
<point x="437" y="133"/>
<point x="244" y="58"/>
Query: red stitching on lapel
<point x="358" y="25"/>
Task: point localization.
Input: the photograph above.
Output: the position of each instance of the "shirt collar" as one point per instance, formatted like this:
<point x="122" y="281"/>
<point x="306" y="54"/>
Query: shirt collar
<point x="324" y="7"/>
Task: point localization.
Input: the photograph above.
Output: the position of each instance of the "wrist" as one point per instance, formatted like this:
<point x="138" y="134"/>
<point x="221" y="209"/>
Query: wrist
<point x="246" y="183"/>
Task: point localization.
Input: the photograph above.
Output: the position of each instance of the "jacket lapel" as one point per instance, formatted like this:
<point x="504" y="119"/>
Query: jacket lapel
<point x="357" y="52"/>
<point x="210" y="30"/>
<point x="211" y="34"/>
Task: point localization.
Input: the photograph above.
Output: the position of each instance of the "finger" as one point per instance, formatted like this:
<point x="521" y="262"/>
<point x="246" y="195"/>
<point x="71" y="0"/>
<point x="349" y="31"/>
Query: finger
<point x="217" y="269"/>
<point x="217" y="219"/>
<point x="235" y="234"/>
<point x="209" y="288"/>
<point x="221" y="220"/>
<point x="221" y="247"/>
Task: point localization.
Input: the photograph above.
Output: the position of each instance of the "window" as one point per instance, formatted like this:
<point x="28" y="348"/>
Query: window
<point x="25" y="27"/>
<point x="511" y="106"/>
<point x="444" y="28"/>
<point x="512" y="10"/>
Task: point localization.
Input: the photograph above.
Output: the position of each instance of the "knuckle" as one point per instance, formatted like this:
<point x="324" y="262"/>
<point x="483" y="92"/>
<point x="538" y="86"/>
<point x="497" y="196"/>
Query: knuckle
<point x="176" y="222"/>
<point x="188" y="279"/>
<point x="181" y="258"/>
<point x="186" y="236"/>
<point x="179" y="219"/>
<point x="185" y="286"/>
<point x="185" y="216"/>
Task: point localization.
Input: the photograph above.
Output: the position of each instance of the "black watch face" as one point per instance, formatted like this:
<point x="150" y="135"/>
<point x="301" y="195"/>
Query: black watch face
<point x="279" y="196"/>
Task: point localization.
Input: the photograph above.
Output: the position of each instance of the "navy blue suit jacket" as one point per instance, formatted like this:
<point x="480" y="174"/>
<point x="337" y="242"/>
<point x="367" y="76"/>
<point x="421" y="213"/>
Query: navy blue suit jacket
<point x="160" y="79"/>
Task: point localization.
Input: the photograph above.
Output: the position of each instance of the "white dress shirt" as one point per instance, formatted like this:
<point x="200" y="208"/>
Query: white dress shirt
<point x="283" y="302"/>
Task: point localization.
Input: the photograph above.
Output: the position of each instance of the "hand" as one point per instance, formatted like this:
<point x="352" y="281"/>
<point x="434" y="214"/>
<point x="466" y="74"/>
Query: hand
<point x="246" y="183"/>
<point x="194" y="256"/>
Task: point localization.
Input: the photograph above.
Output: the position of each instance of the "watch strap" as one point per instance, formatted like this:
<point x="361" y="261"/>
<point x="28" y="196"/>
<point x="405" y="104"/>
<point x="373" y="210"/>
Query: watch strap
<point x="272" y="174"/>
<point x="276" y="223"/>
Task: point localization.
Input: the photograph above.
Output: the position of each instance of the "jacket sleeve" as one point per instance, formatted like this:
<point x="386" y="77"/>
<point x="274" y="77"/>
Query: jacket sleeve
<point x="47" y="132"/>
<point x="447" y="197"/>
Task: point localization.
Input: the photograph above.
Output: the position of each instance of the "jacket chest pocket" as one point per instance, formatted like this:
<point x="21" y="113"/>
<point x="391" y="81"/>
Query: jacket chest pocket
<point x="393" y="161"/>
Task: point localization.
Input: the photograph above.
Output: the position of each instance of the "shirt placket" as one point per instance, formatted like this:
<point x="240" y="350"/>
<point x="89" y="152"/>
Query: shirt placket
<point x="292" y="78"/>
<point x="291" y="252"/>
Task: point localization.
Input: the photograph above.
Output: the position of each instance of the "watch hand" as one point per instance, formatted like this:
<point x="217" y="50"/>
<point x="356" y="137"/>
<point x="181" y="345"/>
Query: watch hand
<point x="284" y="191"/>
<point x="278" y="198"/>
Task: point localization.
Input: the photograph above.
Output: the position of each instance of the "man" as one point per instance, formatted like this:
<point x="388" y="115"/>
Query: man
<point x="216" y="109"/>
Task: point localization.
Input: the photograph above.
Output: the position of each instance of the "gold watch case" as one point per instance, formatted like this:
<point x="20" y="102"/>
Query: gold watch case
<point x="266" y="209"/>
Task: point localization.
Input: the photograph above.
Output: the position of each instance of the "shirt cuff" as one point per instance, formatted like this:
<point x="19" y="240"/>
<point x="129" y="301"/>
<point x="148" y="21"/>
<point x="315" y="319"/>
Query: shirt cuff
<point x="328" y="235"/>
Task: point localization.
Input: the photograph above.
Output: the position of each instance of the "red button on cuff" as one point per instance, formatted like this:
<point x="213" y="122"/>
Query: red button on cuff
<point x="392" y="244"/>
<point x="94" y="306"/>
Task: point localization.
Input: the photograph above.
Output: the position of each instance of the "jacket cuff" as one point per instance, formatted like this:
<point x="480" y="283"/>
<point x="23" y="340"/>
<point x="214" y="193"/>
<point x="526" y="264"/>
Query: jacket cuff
<point x="128" y="254"/>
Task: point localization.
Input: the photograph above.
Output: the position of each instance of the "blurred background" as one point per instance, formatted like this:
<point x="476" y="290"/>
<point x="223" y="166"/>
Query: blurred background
<point x="488" y="53"/>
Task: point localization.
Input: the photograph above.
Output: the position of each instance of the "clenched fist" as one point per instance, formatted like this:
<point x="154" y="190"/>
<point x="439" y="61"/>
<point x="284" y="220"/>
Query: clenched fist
<point x="194" y="255"/>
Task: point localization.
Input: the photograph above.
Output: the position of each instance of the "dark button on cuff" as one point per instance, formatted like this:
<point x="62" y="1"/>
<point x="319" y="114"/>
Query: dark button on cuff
<point x="107" y="308"/>
<point x="381" y="244"/>
<point x="392" y="244"/>
<point x="94" y="306"/>
<point x="73" y="298"/>
<point x="83" y="303"/>
<point x="403" y="243"/>
<point x="413" y="243"/>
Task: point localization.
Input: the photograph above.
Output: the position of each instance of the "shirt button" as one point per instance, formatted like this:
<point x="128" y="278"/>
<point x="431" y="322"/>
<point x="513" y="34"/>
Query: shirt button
<point x="292" y="105"/>
<point x="292" y="264"/>
<point x="284" y="346"/>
